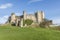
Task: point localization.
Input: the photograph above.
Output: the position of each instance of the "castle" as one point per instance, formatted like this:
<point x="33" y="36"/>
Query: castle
<point x="37" y="17"/>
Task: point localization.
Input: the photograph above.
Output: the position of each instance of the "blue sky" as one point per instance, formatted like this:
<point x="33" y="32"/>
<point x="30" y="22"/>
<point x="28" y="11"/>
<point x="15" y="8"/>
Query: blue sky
<point x="50" y="7"/>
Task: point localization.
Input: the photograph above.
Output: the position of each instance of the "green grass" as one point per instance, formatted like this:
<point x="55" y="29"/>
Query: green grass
<point x="17" y="33"/>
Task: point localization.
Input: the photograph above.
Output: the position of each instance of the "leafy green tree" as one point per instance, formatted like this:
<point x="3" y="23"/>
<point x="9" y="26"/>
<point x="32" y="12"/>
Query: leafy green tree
<point x="12" y="13"/>
<point x="45" y="23"/>
<point x="27" y="21"/>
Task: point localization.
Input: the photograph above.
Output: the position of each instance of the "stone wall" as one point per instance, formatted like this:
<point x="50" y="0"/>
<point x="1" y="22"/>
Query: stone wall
<point x="37" y="17"/>
<point x="13" y="18"/>
<point x="31" y="17"/>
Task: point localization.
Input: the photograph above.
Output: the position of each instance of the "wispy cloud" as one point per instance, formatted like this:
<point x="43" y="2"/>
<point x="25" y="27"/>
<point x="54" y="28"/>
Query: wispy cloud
<point x="56" y="20"/>
<point x="3" y="19"/>
<point x="32" y="1"/>
<point x="7" y="5"/>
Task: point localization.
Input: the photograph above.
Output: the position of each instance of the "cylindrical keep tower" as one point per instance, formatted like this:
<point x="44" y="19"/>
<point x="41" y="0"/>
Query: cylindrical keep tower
<point x="40" y="16"/>
<point x="24" y="15"/>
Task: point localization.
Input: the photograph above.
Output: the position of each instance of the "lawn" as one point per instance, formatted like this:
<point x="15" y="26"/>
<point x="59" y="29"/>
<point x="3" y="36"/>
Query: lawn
<point x="17" y="33"/>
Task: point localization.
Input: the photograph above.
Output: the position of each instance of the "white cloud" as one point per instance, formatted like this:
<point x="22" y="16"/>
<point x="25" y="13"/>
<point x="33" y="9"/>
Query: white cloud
<point x="3" y="19"/>
<point x="4" y="6"/>
<point x="32" y="1"/>
<point x="56" y="20"/>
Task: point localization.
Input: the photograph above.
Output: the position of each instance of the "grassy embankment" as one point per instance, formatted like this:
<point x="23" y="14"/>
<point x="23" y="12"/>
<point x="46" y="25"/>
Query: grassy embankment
<point x="17" y="33"/>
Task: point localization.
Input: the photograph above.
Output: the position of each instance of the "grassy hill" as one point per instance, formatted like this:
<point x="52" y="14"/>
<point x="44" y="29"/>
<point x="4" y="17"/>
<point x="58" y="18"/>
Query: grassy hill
<point x="17" y="33"/>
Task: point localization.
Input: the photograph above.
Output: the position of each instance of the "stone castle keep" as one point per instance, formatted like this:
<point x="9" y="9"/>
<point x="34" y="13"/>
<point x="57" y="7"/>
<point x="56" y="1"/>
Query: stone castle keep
<point x="18" y="20"/>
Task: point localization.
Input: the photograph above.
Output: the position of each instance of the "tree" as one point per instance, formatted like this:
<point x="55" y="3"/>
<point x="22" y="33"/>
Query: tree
<point x="46" y="23"/>
<point x="27" y="21"/>
<point x="12" y="13"/>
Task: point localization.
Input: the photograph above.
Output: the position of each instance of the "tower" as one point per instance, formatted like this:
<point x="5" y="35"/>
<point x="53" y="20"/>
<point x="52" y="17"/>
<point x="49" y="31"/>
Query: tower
<point x="40" y="16"/>
<point x="13" y="18"/>
<point x="21" y="23"/>
<point x="24" y="15"/>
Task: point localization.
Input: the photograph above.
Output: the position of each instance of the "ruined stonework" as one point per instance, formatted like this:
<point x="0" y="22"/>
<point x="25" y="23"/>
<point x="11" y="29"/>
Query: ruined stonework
<point x="37" y="17"/>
